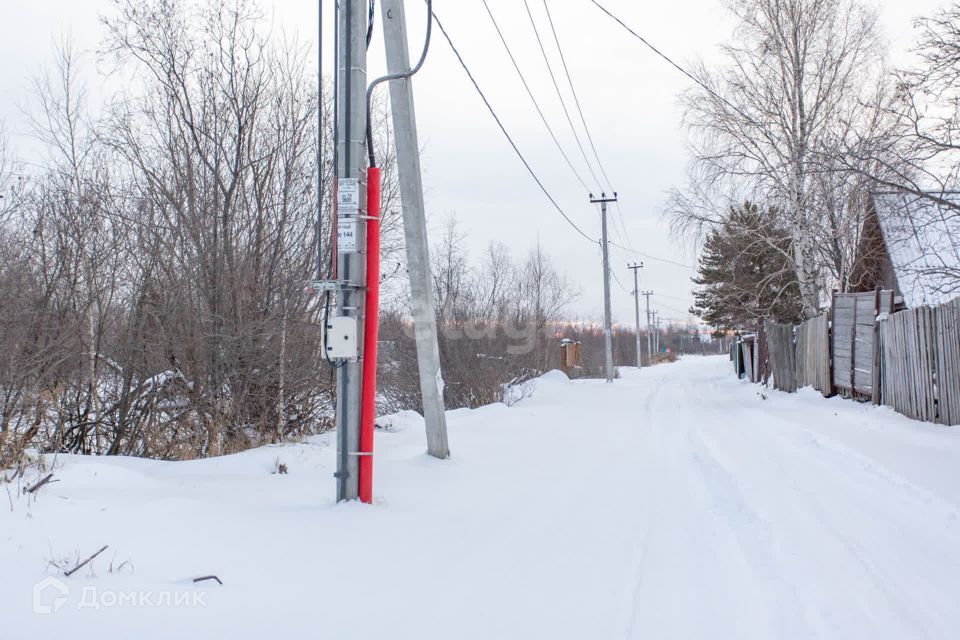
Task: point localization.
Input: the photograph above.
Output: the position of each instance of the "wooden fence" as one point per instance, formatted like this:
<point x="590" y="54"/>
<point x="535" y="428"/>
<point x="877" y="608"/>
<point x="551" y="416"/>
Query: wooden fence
<point x="908" y="360"/>
<point x="813" y="354"/>
<point x="783" y="355"/>
<point x="855" y="366"/>
<point x="920" y="356"/>
<point x="748" y="356"/>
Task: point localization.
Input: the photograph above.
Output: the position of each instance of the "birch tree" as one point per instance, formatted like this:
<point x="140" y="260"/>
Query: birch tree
<point x="762" y="125"/>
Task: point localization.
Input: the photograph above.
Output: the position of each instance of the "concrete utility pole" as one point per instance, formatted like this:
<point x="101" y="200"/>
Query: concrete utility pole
<point x="656" y="332"/>
<point x="415" y="227"/>
<point x="351" y="200"/>
<point x="607" y="328"/>
<point x="647" y="294"/>
<point x="635" y="267"/>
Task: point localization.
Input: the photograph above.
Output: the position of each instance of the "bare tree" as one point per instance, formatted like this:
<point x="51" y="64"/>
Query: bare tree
<point x="218" y="147"/>
<point x="914" y="166"/>
<point x="544" y="295"/>
<point x="762" y="126"/>
<point x="11" y="184"/>
<point x="921" y="153"/>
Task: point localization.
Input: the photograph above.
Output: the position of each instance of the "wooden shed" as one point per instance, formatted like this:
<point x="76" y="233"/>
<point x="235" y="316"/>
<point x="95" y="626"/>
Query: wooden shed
<point x="910" y="244"/>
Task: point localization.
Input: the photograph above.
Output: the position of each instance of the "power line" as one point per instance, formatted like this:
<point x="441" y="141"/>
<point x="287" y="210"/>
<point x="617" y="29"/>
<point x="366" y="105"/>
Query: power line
<point x="675" y="65"/>
<point x="393" y="76"/>
<point x="503" y="129"/>
<point x="623" y="226"/>
<point x="532" y="98"/>
<point x="576" y="98"/>
<point x="674" y="309"/>
<point x="556" y="86"/>
<point x="613" y="272"/>
<point x="650" y="257"/>
<point x="623" y="252"/>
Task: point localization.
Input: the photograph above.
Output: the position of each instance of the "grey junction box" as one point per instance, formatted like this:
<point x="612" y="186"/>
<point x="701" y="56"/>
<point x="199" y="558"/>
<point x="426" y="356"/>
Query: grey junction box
<point x="340" y="338"/>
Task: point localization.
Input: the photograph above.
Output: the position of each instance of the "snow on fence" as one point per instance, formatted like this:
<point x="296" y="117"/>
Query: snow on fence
<point x="813" y="354"/>
<point x="782" y="354"/>
<point x="920" y="356"/>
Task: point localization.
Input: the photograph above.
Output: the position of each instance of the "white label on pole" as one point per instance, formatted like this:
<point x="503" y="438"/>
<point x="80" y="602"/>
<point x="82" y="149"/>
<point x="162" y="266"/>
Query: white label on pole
<point x="346" y="235"/>
<point x="348" y="195"/>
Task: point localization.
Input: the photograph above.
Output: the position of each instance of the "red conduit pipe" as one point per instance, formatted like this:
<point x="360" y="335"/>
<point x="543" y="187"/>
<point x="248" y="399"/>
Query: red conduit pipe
<point x="368" y="392"/>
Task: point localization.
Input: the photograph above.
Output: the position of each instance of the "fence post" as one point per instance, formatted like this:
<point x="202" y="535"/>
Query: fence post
<point x="831" y="389"/>
<point x="875" y="382"/>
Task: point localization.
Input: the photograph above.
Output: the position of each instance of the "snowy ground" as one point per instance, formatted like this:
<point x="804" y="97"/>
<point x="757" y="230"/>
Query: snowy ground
<point x="676" y="503"/>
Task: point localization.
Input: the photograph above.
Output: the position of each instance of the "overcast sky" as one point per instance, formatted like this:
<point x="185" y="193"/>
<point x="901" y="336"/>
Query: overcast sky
<point x="629" y="98"/>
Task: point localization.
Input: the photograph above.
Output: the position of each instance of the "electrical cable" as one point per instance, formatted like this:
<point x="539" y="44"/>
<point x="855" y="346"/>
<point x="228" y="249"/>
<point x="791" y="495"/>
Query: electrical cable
<point x="371" y="12"/>
<point x="320" y="100"/>
<point x="506" y="134"/>
<point x="663" y="295"/>
<point x="331" y="272"/>
<point x="398" y="76"/>
<point x="576" y="98"/>
<point x="536" y="105"/>
<point x="556" y="86"/>
<point x="675" y="310"/>
<point x="613" y="272"/>
<point x="650" y="257"/>
<point x="675" y="65"/>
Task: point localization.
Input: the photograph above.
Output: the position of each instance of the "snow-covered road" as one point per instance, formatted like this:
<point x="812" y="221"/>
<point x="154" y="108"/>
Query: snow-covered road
<point x="677" y="502"/>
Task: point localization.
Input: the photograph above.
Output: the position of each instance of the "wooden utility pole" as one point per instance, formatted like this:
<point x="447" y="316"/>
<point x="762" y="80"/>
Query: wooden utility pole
<point x="415" y="226"/>
<point x="607" y="323"/>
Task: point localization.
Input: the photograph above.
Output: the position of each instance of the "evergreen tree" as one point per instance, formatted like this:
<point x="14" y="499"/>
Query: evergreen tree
<point x="746" y="272"/>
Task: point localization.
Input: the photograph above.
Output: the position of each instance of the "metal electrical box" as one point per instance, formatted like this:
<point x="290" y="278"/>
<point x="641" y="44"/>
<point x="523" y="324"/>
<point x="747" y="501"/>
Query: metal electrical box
<point x="340" y="338"/>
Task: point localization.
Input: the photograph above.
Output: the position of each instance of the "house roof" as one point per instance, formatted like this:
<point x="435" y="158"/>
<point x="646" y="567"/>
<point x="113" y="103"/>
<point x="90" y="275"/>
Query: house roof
<point x="923" y="241"/>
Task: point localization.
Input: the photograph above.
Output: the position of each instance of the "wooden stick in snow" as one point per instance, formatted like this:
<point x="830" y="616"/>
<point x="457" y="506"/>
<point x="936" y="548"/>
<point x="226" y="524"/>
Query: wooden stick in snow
<point x="47" y="479"/>
<point x="82" y="564"/>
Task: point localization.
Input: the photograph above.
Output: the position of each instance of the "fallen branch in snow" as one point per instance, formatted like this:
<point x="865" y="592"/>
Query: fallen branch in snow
<point x="16" y="472"/>
<point x="82" y="564"/>
<point x="205" y="578"/>
<point x="46" y="480"/>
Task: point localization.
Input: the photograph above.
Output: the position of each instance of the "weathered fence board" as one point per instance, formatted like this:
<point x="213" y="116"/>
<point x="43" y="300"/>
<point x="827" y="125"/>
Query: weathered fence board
<point x="747" y="344"/>
<point x="909" y="360"/>
<point x="921" y="363"/>
<point x="948" y="363"/>
<point x="854" y="352"/>
<point x="813" y="354"/>
<point x="783" y="355"/>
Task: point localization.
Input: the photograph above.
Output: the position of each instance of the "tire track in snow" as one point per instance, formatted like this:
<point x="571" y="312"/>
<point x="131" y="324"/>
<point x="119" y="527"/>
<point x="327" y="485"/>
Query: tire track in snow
<point x="814" y="482"/>
<point x="713" y="523"/>
<point x="760" y="488"/>
<point x="752" y="531"/>
<point x="642" y="536"/>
